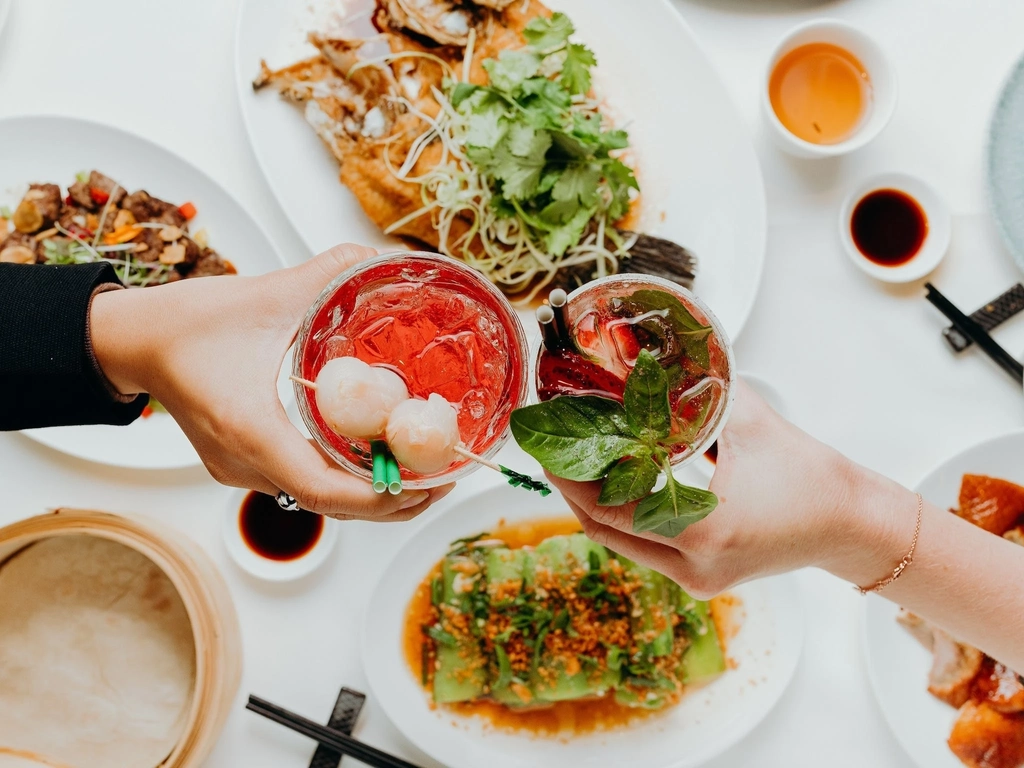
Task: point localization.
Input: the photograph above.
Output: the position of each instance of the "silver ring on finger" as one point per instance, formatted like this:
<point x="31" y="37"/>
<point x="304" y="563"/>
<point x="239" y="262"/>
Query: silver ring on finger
<point x="287" y="502"/>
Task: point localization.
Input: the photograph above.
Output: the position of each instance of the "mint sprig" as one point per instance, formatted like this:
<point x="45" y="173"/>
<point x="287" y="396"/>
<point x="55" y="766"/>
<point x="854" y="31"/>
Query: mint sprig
<point x="589" y="438"/>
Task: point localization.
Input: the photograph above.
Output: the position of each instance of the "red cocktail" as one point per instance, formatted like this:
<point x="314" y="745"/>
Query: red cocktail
<point x="610" y="320"/>
<point x="442" y="327"/>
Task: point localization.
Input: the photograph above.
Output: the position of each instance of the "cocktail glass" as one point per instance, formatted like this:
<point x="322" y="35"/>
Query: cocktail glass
<point x="442" y="327"/>
<point x="609" y="323"/>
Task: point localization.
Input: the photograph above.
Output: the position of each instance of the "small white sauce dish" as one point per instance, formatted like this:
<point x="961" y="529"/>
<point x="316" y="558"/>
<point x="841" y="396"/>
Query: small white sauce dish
<point x="936" y="240"/>
<point x="877" y="65"/>
<point x="263" y="567"/>
<point x="772" y="396"/>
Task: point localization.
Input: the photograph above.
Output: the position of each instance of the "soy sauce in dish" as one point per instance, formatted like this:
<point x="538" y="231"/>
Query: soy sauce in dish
<point x="888" y="227"/>
<point x="275" y="533"/>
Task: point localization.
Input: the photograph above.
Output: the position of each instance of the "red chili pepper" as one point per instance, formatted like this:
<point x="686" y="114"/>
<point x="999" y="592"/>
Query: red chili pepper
<point x="99" y="196"/>
<point x="187" y="210"/>
<point x="82" y="232"/>
<point x="147" y="411"/>
<point x="69" y="200"/>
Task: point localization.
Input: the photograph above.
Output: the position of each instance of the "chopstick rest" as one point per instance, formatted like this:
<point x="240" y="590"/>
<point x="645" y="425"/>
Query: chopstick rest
<point x="993" y="314"/>
<point x="338" y="741"/>
<point x="343" y="718"/>
<point x="973" y="331"/>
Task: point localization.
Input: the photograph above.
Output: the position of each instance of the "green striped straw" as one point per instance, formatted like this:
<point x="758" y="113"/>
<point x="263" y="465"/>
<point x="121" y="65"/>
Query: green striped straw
<point x="379" y="450"/>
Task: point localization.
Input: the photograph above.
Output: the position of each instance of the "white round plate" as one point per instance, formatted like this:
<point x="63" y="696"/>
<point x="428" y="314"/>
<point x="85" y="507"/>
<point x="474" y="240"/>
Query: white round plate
<point x="53" y="149"/>
<point x="897" y="664"/>
<point x="5" y="9"/>
<point x="705" y="723"/>
<point x="695" y="161"/>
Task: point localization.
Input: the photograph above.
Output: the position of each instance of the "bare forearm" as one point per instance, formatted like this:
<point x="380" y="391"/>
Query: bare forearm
<point x="963" y="579"/>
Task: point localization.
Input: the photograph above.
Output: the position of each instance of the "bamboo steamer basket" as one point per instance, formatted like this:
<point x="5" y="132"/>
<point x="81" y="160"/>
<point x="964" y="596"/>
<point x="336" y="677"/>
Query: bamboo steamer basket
<point x="215" y="631"/>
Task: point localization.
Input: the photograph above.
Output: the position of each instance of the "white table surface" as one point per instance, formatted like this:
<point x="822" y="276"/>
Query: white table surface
<point x="862" y="365"/>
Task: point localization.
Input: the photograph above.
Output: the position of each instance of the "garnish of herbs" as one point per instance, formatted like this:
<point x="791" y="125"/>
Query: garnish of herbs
<point x="626" y="444"/>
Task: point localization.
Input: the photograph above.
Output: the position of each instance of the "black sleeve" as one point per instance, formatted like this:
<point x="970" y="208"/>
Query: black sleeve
<point x="48" y="372"/>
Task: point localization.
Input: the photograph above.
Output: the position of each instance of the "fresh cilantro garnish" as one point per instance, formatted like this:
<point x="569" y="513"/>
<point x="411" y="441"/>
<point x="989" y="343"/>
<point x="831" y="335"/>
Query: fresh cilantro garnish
<point x="540" y="144"/>
<point x="548" y="34"/>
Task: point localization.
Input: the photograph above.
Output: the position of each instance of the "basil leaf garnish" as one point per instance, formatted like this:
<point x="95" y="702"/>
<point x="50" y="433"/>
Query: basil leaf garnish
<point x="628" y="481"/>
<point x="673" y="509"/>
<point x="578" y="438"/>
<point x="690" y="332"/>
<point x="646" y="400"/>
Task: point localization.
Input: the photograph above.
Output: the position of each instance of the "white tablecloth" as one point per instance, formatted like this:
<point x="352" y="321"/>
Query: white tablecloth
<point x="861" y="365"/>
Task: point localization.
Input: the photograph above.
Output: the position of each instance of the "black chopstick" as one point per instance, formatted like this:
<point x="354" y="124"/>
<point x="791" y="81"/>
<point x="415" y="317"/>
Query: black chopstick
<point x="973" y="331"/>
<point x="336" y="740"/>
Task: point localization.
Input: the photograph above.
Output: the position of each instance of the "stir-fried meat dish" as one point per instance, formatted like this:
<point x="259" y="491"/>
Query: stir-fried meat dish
<point x="146" y="239"/>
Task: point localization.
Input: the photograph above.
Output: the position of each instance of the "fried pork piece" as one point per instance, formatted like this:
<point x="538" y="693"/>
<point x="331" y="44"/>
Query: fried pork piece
<point x="954" y="665"/>
<point x="954" y="668"/>
<point x="145" y="207"/>
<point x="990" y="503"/>
<point x="982" y="737"/>
<point x="210" y="264"/>
<point x="81" y="192"/>
<point x="1000" y="687"/>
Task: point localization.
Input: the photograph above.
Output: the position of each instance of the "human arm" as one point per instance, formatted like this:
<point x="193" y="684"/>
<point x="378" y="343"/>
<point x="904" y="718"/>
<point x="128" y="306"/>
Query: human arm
<point x="48" y="374"/>
<point x="210" y="350"/>
<point x="788" y="501"/>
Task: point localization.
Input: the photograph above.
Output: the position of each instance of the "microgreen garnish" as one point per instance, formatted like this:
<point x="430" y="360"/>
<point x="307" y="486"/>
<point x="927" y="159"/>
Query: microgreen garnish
<point x="133" y="272"/>
<point x="589" y="438"/>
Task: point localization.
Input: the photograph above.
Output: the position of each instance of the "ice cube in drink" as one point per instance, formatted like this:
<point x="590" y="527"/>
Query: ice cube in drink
<point x="439" y="325"/>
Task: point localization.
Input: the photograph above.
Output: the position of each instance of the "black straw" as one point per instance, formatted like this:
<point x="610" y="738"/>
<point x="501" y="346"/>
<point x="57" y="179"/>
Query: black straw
<point x="973" y="331"/>
<point x="558" y="299"/>
<point x="545" y="318"/>
<point x="336" y="740"/>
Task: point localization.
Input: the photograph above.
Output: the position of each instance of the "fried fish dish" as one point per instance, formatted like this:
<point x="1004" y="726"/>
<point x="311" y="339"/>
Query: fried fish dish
<point x="471" y="128"/>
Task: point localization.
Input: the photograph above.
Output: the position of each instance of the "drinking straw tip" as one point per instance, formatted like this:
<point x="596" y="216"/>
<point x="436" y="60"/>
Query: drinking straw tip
<point x="394" y="476"/>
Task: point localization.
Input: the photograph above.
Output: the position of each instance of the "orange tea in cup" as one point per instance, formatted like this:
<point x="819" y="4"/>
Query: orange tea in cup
<point x="820" y="92"/>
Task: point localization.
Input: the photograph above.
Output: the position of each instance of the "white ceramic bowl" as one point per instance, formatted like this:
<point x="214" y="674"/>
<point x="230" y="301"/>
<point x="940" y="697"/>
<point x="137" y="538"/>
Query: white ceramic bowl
<point x="936" y="241"/>
<point x="875" y="61"/>
<point x="265" y="568"/>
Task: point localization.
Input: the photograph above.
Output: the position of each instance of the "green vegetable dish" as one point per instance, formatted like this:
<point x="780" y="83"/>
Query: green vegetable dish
<point x="559" y="620"/>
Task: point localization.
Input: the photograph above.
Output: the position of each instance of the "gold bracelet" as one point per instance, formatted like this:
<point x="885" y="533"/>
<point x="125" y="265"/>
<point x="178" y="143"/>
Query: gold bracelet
<point x="907" y="560"/>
